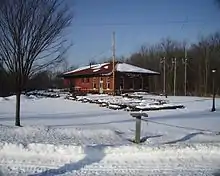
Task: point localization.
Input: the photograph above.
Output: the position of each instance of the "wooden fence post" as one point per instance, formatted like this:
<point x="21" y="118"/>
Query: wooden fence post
<point x="138" y="125"/>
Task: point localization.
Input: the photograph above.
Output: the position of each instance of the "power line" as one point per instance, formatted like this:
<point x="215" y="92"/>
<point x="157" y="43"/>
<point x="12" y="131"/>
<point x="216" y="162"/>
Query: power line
<point x="100" y="54"/>
<point x="146" y="23"/>
<point x="181" y="127"/>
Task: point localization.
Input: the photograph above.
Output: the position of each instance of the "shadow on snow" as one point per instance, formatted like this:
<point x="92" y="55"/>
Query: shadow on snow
<point x="185" y="138"/>
<point x="93" y="155"/>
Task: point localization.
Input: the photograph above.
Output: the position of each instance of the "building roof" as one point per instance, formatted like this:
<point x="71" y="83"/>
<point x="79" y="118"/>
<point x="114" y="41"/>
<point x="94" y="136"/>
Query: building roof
<point x="106" y="68"/>
<point x="123" y="67"/>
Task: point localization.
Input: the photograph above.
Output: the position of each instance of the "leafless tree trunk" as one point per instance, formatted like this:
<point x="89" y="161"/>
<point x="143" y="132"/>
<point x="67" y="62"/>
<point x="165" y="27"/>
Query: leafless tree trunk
<point x="17" y="115"/>
<point x="31" y="38"/>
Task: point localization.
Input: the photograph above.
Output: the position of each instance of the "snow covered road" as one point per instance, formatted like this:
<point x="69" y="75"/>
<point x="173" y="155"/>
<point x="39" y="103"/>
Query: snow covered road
<point x="41" y="159"/>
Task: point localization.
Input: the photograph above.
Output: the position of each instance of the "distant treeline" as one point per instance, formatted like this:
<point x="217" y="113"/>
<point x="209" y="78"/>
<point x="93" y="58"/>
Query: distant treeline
<point x="202" y="57"/>
<point x="40" y="81"/>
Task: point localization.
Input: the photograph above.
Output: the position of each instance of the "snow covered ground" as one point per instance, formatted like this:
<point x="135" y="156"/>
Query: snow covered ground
<point x="65" y="137"/>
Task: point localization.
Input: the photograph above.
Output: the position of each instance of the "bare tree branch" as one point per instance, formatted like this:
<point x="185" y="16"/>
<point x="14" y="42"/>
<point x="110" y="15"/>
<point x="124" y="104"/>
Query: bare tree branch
<point x="32" y="36"/>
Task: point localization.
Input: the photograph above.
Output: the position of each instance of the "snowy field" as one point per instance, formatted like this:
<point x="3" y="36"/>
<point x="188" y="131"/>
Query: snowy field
<point x="65" y="137"/>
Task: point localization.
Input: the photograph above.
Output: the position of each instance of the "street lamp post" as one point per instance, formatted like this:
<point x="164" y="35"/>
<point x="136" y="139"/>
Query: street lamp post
<point x="213" y="89"/>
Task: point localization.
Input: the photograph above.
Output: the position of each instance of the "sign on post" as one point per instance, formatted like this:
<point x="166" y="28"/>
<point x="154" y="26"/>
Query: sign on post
<point x="138" y="116"/>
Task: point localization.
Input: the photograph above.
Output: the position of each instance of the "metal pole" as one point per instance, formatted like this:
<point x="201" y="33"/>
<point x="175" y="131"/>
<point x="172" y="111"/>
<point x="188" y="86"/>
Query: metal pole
<point x="138" y="130"/>
<point x="138" y="116"/>
<point x="185" y="77"/>
<point x="113" y="61"/>
<point x="213" y="87"/>
<point x="174" y="78"/>
<point x="164" y="76"/>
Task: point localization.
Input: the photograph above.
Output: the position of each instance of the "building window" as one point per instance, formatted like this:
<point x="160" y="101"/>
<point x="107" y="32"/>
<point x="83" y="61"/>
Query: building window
<point x="108" y="83"/>
<point x="94" y="83"/>
<point x="85" y="80"/>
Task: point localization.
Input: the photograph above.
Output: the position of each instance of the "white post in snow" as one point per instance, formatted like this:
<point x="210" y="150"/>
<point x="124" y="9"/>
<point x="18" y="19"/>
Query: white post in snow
<point x="138" y="116"/>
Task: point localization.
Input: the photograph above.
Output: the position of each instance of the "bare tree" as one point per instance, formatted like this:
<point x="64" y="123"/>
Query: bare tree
<point x="31" y="38"/>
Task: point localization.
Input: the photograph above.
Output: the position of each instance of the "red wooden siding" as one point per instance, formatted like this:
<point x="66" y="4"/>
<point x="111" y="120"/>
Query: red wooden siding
<point x="91" y="84"/>
<point x="122" y="83"/>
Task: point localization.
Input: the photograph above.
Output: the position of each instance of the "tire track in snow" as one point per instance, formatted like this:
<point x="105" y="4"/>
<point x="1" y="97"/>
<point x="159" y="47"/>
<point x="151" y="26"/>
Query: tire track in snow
<point x="33" y="116"/>
<point x="96" y="160"/>
<point x="110" y="169"/>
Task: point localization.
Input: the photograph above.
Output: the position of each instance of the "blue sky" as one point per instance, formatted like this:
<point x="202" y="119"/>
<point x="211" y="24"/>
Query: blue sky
<point x="136" y="22"/>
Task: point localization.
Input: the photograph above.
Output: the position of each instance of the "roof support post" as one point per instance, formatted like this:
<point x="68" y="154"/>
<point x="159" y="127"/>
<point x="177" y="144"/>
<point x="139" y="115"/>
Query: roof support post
<point x="142" y="82"/>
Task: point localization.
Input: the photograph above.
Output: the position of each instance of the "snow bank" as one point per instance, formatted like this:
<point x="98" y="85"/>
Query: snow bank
<point x="68" y="150"/>
<point x="13" y="98"/>
<point x="45" y="159"/>
<point x="57" y="136"/>
<point x="3" y="99"/>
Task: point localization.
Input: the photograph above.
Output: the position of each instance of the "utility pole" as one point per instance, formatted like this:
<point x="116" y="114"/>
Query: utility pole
<point x="113" y="61"/>
<point x="213" y="87"/>
<point x="163" y="61"/>
<point x="185" y="71"/>
<point x="174" y="77"/>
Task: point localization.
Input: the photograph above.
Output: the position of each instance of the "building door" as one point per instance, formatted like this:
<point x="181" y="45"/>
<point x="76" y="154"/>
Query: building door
<point x="121" y="84"/>
<point x="101" y="86"/>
